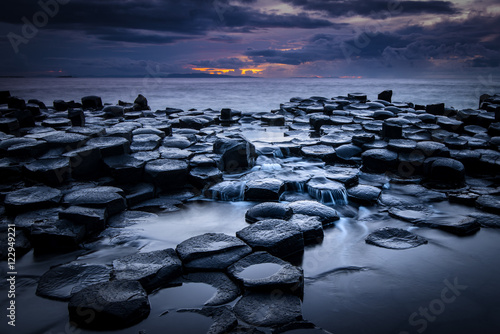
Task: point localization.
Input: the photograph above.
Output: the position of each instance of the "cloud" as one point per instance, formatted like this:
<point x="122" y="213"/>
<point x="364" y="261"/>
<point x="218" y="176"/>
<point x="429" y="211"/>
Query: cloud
<point x="166" y="21"/>
<point x="338" y="8"/>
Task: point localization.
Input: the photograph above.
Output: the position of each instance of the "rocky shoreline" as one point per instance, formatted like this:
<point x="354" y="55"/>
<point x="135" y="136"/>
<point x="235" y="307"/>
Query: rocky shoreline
<point x="71" y="170"/>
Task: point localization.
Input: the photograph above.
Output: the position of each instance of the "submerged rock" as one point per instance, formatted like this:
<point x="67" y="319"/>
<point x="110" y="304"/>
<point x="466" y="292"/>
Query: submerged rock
<point x="395" y="238"/>
<point x="267" y="310"/>
<point x="114" y="305"/>
<point x="211" y="251"/>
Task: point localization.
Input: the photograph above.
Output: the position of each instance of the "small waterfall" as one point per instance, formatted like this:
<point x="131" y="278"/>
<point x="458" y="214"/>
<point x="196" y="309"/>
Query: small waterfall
<point x="327" y="191"/>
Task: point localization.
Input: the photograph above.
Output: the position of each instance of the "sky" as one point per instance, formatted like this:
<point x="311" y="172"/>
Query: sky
<point x="261" y="38"/>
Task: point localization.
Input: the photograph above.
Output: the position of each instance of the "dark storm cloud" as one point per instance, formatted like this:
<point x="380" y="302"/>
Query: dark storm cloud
<point x="471" y="42"/>
<point x="337" y="8"/>
<point x="178" y="18"/>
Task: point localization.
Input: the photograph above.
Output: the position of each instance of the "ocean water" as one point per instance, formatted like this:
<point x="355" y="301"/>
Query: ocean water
<point x="247" y="94"/>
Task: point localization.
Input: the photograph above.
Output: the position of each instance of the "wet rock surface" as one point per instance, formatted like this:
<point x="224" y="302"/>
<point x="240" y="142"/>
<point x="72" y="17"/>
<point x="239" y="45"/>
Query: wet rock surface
<point x="395" y="238"/>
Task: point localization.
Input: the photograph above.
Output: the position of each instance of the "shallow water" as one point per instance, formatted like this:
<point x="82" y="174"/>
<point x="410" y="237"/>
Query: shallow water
<point x="259" y="271"/>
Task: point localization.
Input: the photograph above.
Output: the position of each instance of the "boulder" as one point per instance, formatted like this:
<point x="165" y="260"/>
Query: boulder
<point x="61" y="282"/>
<point x="211" y="251"/>
<point x="278" y="237"/>
<point x="395" y="238"/>
<point x="445" y="171"/>
<point x="237" y="154"/>
<point x="113" y="111"/>
<point x="264" y="190"/>
<point x="153" y="270"/>
<point x="92" y="102"/>
<point x="435" y="109"/>
<point x="109" y="306"/>
<point x="167" y="174"/>
<point x="324" y="213"/>
<point x="386" y="95"/>
<point x="15" y="102"/>
<point x="141" y="103"/>
<point x="364" y="194"/>
<point x="60" y="105"/>
<point x="268" y="210"/>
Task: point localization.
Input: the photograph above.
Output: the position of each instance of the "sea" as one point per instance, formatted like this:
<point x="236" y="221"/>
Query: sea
<point x="248" y="94"/>
<point x="451" y="285"/>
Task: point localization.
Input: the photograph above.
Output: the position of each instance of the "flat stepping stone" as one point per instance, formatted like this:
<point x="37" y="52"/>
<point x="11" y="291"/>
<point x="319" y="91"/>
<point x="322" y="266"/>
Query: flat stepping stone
<point x="110" y="146"/>
<point x="325" y="214"/>
<point x="264" y="190"/>
<point x="489" y="203"/>
<point x="402" y="145"/>
<point x="264" y="310"/>
<point x="115" y="305"/>
<point x="311" y="227"/>
<point x="364" y="194"/>
<point x="152" y="270"/>
<point x="175" y="153"/>
<point x="57" y="123"/>
<point x="98" y="197"/>
<point x="327" y="191"/>
<point x="395" y="238"/>
<point x="322" y="152"/>
<point x="32" y="198"/>
<point x="261" y="270"/>
<point x="268" y="210"/>
<point x="68" y="141"/>
<point x="167" y="173"/>
<point x="227" y="290"/>
<point x="211" y="251"/>
<point x="348" y="176"/>
<point x="61" y="282"/>
<point x="409" y="215"/>
<point x="278" y="237"/>
<point x="203" y="176"/>
<point x="61" y="236"/>
<point x="94" y="219"/>
<point x="54" y="171"/>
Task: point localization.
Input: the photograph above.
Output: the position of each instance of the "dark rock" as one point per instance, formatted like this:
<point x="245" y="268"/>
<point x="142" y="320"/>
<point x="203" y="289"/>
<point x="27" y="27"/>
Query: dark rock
<point x="323" y="152"/>
<point x="268" y="210"/>
<point x="325" y="214"/>
<point x="4" y="97"/>
<point x="264" y="190"/>
<point x="435" y="109"/>
<point x="358" y="97"/>
<point x="202" y="176"/>
<point x="433" y="149"/>
<point x="114" y="305"/>
<point x="61" y="235"/>
<point x="347" y="176"/>
<point x="227" y="191"/>
<point x="273" y="119"/>
<point x="362" y="139"/>
<point x="152" y="270"/>
<point x="110" y="198"/>
<point x="402" y="145"/>
<point x="383" y="115"/>
<point x="318" y="120"/>
<point x="395" y="238"/>
<point x="57" y="123"/>
<point x="266" y="310"/>
<point x="349" y="153"/>
<point x="54" y="171"/>
<point x="66" y="141"/>
<point x="92" y="102"/>
<point x="125" y="168"/>
<point x="464" y="198"/>
<point x="392" y="130"/>
<point x="227" y="290"/>
<point x="137" y="193"/>
<point x="237" y="154"/>
<point x="487" y="220"/>
<point x="311" y="227"/>
<point x="211" y="251"/>
<point x="60" y="105"/>
<point x="84" y="162"/>
<point x="386" y="95"/>
<point x="9" y="125"/>
<point x="94" y="219"/>
<point x="77" y="117"/>
<point x="489" y="203"/>
<point x="379" y="160"/>
<point x="167" y="174"/>
<point x="109" y="146"/>
<point x="224" y="320"/>
<point x="33" y="198"/>
<point x="262" y="271"/>
<point x="141" y="103"/>
<point x="175" y="153"/>
<point x="456" y="143"/>
<point x="25" y="221"/>
<point x="15" y="102"/>
<point x="278" y="237"/>
<point x="446" y="171"/>
<point x="336" y="139"/>
<point x="61" y="282"/>
<point x="113" y="111"/>
<point x="364" y="194"/>
<point x="24" y="117"/>
<point x="327" y="191"/>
